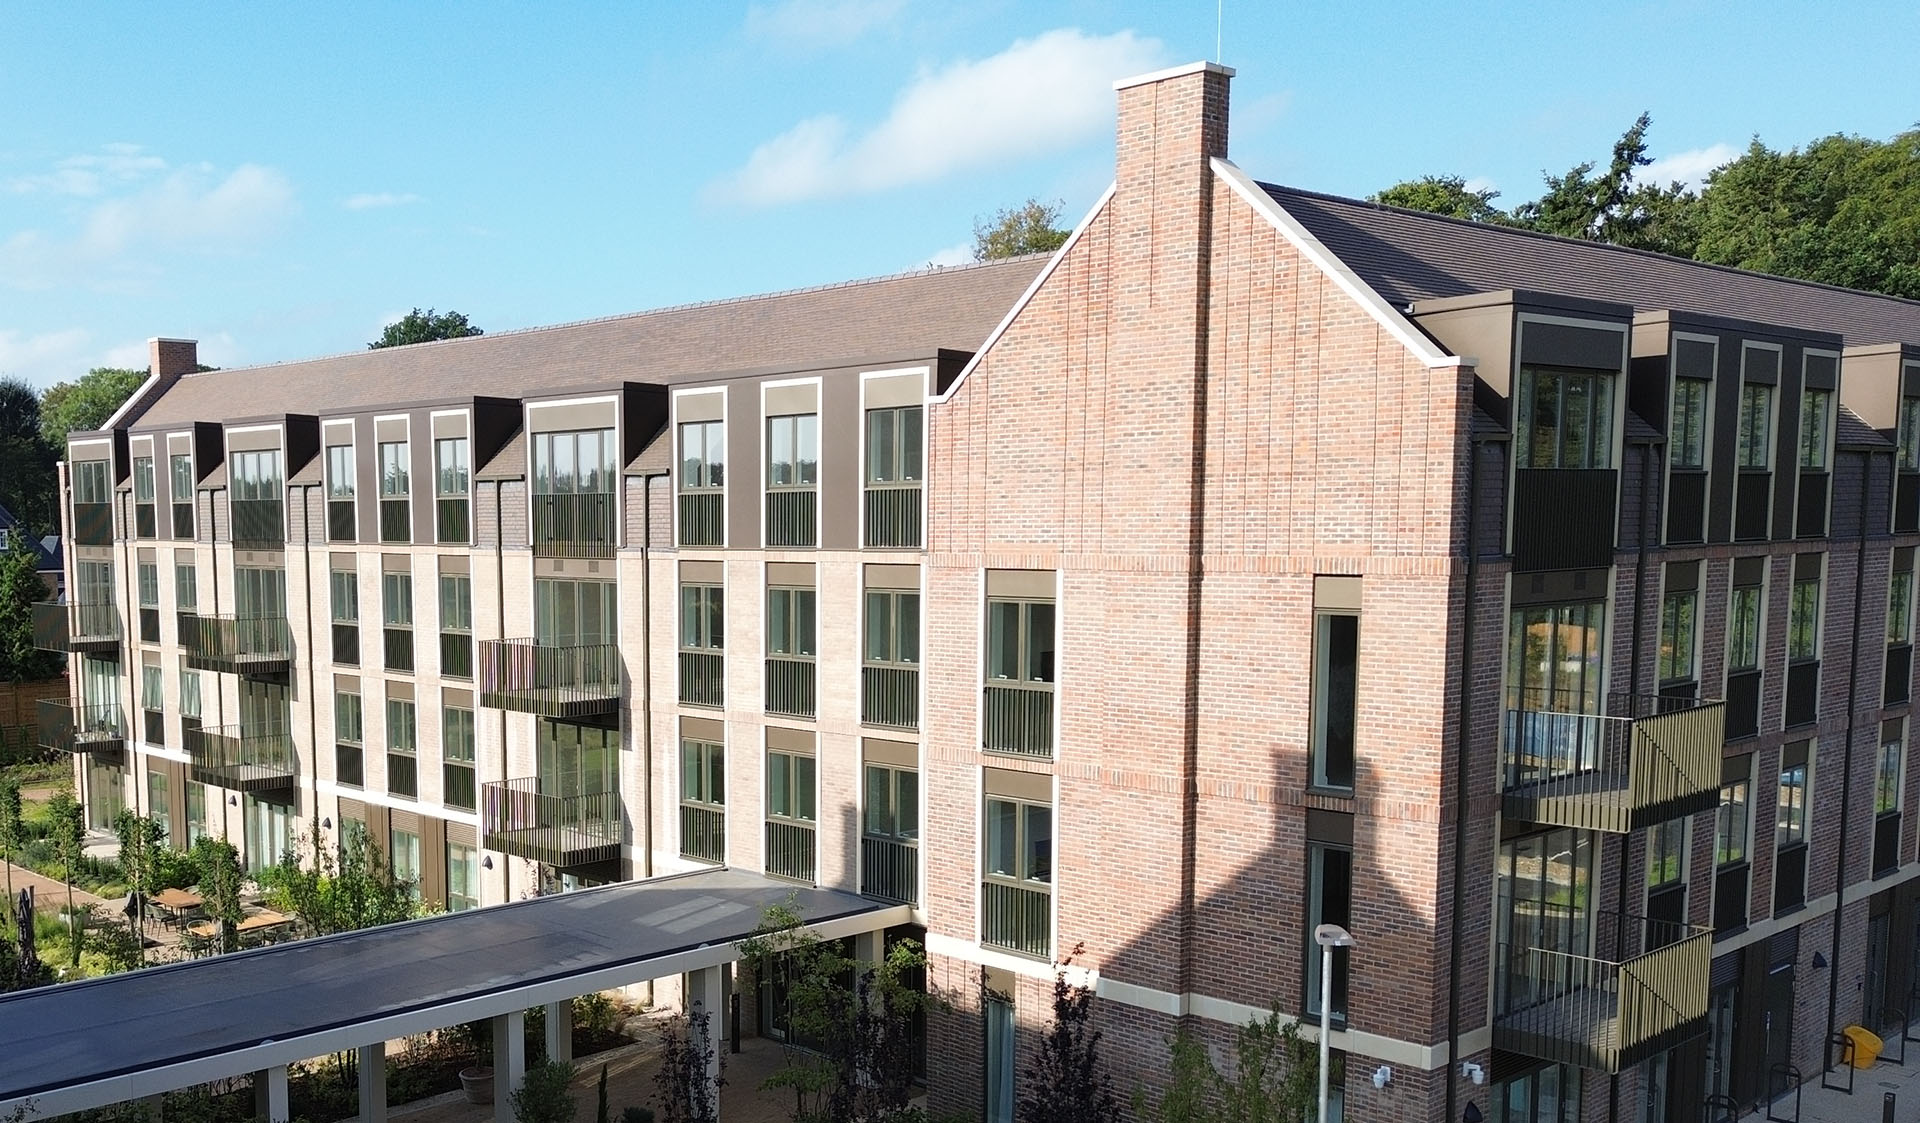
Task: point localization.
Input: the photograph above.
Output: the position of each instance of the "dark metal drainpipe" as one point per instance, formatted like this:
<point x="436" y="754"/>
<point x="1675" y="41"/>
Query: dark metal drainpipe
<point x="1465" y="726"/>
<point x="1846" y="780"/>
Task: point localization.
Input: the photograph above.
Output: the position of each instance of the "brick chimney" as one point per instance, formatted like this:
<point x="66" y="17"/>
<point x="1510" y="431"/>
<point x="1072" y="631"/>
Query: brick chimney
<point x="171" y="358"/>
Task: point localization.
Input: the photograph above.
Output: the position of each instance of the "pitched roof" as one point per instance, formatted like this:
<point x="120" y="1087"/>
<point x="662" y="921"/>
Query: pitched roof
<point x="910" y="314"/>
<point x="1407" y="256"/>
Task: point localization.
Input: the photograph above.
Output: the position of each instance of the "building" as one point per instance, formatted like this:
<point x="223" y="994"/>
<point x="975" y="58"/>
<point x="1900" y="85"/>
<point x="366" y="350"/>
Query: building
<point x="1258" y="560"/>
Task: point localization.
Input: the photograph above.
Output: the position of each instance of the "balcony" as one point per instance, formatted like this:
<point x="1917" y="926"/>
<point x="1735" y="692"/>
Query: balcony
<point x="792" y="518"/>
<point x="260" y="523"/>
<point x="517" y="818"/>
<point x="229" y="756"/>
<point x="893" y="516"/>
<point x="1016" y="918"/>
<point x="1601" y="1013"/>
<point x="452" y="520"/>
<point x="579" y="525"/>
<point x="76" y="627"/>
<point x="566" y="682"/>
<point x="890" y="695"/>
<point x="703" y="680"/>
<point x="396" y="520"/>
<point x="790" y="850"/>
<point x="92" y="524"/>
<point x="889" y="870"/>
<point x="703" y="518"/>
<point x="1563" y="518"/>
<point x="1019" y="719"/>
<point x="790" y="686"/>
<point x="1650" y="759"/>
<point x="241" y="645"/>
<point x="703" y="833"/>
<point x="65" y="727"/>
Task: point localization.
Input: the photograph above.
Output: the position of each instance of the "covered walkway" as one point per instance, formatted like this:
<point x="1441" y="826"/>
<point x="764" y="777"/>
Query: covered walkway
<point x="131" y="1036"/>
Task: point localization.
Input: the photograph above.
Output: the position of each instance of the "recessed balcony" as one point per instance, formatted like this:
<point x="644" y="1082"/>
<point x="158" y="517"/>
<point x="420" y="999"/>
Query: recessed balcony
<point x="1610" y="1011"/>
<point x="68" y="728"/>
<point x="576" y="525"/>
<point x="76" y="628"/>
<point x="241" y="759"/>
<point x="1651" y="758"/>
<point x="566" y="681"/>
<point x="517" y="818"/>
<point x="259" y="523"/>
<point x="241" y="645"/>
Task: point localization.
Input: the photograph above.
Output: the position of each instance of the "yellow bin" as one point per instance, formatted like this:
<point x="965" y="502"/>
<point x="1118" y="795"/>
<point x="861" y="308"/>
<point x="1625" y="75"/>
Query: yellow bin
<point x="1866" y="1046"/>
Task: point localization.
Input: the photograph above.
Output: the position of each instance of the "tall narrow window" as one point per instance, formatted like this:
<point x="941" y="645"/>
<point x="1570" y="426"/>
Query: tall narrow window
<point x="1908" y="433"/>
<point x="1803" y="621"/>
<point x="349" y="763"/>
<point x="1000" y="1059"/>
<point x="1790" y="831"/>
<point x="343" y="588"/>
<point x="396" y="613"/>
<point x="1016" y="909"/>
<point x="1019" y="672"/>
<point x="456" y="625"/>
<point x="790" y="815"/>
<point x="1887" y="781"/>
<point x="1679" y="610"/>
<point x="143" y="515"/>
<point x="1666" y="855"/>
<point x="702" y="640"/>
<point x="152" y="702"/>
<point x="189" y="695"/>
<point x="456" y="752"/>
<point x="1816" y="418"/>
<point x="463" y="877"/>
<point x="1336" y="664"/>
<point x="1687" y="441"/>
<point x="180" y="476"/>
<point x="404" y="860"/>
<point x="1756" y="426"/>
<point x="890" y="671"/>
<point x="159" y="805"/>
<point x="1897" y="679"/>
<point x="186" y="587"/>
<point x="703" y="462"/>
<point x="403" y="741"/>
<point x="790" y="652"/>
<point x="895" y="470"/>
<point x="148" y="574"/>
<point x="889" y="855"/>
<point x="1732" y="837"/>
<point x="396" y="523"/>
<point x="1743" y="628"/>
<point x="1567" y="417"/>
<point x="1329" y="901"/>
<point x="340" y="494"/>
<point x="452" y="517"/>
<point x="793" y="475"/>
<point x="196" y="812"/>
<point x="1900" y="607"/>
<point x="257" y="499"/>
<point x="703" y="800"/>
<point x="573" y="513"/>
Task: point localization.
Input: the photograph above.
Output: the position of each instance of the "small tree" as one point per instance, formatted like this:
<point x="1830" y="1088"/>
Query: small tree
<point x="1027" y="228"/>
<point x="11" y="828"/>
<point x="544" y="1095"/>
<point x="20" y="586"/>
<point x="26" y="966"/>
<point x="357" y="890"/>
<point x="220" y="878"/>
<point x="686" y="1049"/>
<point x="424" y="327"/>
<point x="68" y="835"/>
<point x="1067" y="1082"/>
<point x="1274" y="1079"/>
<point x="140" y="842"/>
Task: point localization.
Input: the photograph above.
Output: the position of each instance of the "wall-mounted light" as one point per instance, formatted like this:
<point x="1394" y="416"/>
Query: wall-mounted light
<point x="486" y="863"/>
<point x="1383" y="1076"/>
<point x="326" y="824"/>
<point x="1473" y="1072"/>
<point x="233" y="801"/>
<point x="1819" y="962"/>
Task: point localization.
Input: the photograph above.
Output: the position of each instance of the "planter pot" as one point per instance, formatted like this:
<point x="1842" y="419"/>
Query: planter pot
<point x="477" y="1082"/>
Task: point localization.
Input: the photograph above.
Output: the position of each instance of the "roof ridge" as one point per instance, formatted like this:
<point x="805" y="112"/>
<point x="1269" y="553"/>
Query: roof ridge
<point x="773" y="294"/>
<point x="1609" y="246"/>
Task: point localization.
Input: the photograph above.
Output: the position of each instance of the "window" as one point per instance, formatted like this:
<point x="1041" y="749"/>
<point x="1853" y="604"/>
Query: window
<point x="892" y="803"/>
<point x="1731" y="835"/>
<point x="790" y="622"/>
<point x="703" y="455"/>
<point x="1678" y="612"/>
<point x="1568" y="418"/>
<point x="343" y="594"/>
<point x="152" y="689"/>
<point x="269" y="832"/>
<point x="1743" y="629"/>
<point x="1688" y="433"/>
<point x="1336" y="659"/>
<point x="703" y="800"/>
<point x="1816" y="417"/>
<point x="1900" y="607"/>
<point x="1019" y="839"/>
<point x="1886" y="784"/>
<point x="1756" y="426"/>
<point x="702" y="636"/>
<point x="348" y="737"/>
<point x="1909" y="435"/>
<point x="893" y="627"/>
<point x="573" y="613"/>
<point x="186" y="587"/>
<point x="404" y="860"/>
<point x="147" y="577"/>
<point x="189" y="691"/>
<point x="793" y="450"/>
<point x="393" y="470"/>
<point x="396" y="614"/>
<point x="1000" y="1061"/>
<point x="1790" y="826"/>
<point x="574" y="760"/>
<point x="159" y="807"/>
<point x="1329" y="901"/>
<point x="1555" y="655"/>
<point x="403" y="773"/>
<point x="260" y="593"/>
<point x="90" y="482"/>
<point x="790" y="815"/>
<point x="890" y="677"/>
<point x="573" y="487"/>
<point x="1666" y="854"/>
<point x="895" y="445"/>
<point x="340" y="481"/>
<point x="180" y="476"/>
<point x="1017" y="861"/>
<point x="1803" y="621"/>
<point x="196" y="813"/>
<point x="256" y="475"/>
<point x="463" y="877"/>
<point x="450" y="489"/>
<point x="456" y="751"/>
<point x="143" y="496"/>
<point x="1019" y="641"/>
<point x="456" y="625"/>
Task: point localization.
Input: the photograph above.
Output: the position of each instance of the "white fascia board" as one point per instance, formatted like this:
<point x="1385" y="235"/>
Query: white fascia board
<point x="1349" y="282"/>
<point x="1026" y="298"/>
<point x="120" y="415"/>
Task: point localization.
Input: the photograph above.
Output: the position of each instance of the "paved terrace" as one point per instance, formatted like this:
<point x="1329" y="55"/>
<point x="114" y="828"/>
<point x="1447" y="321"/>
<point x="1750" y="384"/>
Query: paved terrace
<point x="130" y="1036"/>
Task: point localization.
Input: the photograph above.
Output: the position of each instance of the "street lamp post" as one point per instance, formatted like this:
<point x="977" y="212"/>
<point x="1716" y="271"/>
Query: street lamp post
<point x="1328" y="936"/>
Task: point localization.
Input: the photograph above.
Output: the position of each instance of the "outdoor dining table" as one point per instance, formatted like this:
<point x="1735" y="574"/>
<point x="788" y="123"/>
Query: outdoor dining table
<point x="177" y="902"/>
<point x="265" y="919"/>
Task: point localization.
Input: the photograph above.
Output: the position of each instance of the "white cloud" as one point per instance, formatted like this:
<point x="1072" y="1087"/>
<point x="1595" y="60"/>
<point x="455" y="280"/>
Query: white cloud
<point x="959" y="254"/>
<point x="818" y="23"/>
<point x="1689" y="168"/>
<point x="1037" y="96"/>
<point x="372" y="199"/>
<point x="90" y="174"/>
<point x="48" y="357"/>
<point x="1481" y="183"/>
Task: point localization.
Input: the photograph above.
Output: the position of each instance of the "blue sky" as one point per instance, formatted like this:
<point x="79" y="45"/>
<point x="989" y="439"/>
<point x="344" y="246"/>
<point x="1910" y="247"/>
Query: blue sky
<point x="278" y="181"/>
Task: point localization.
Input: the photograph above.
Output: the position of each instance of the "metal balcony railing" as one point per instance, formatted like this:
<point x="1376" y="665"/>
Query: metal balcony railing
<point x="579" y="525"/>
<point x="396" y="520"/>
<point x="1019" y="719"/>
<point x="890" y="695"/>
<point x="1564" y="518"/>
<point x="346" y="644"/>
<point x="66" y="727"/>
<point x="149" y="624"/>
<point x="403" y="774"/>
<point x="342" y="525"/>
<point x="573" y="681"/>
<point x="245" y="760"/>
<point x="397" y="648"/>
<point x="245" y="645"/>
<point x="518" y="818"/>
<point x="76" y="627"/>
<point x="790" y="850"/>
<point x="793" y="517"/>
<point x="258" y="522"/>
<point x="456" y="654"/>
<point x="1649" y="759"/>
<point x="893" y="516"/>
<point x="703" y="678"/>
<point x="93" y="524"/>
<point x="144" y="524"/>
<point x="349" y="765"/>
<point x="703" y="518"/>
<point x="183" y="520"/>
<point x="1016" y="918"/>
<point x="1645" y="993"/>
<point x="790" y="686"/>
<point x="703" y="833"/>
<point x="889" y="870"/>
<point x="452" y="520"/>
<point x="457" y="787"/>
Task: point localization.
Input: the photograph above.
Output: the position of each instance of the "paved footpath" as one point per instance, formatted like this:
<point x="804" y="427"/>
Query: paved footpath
<point x="1822" y="1105"/>
<point x="49" y="894"/>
